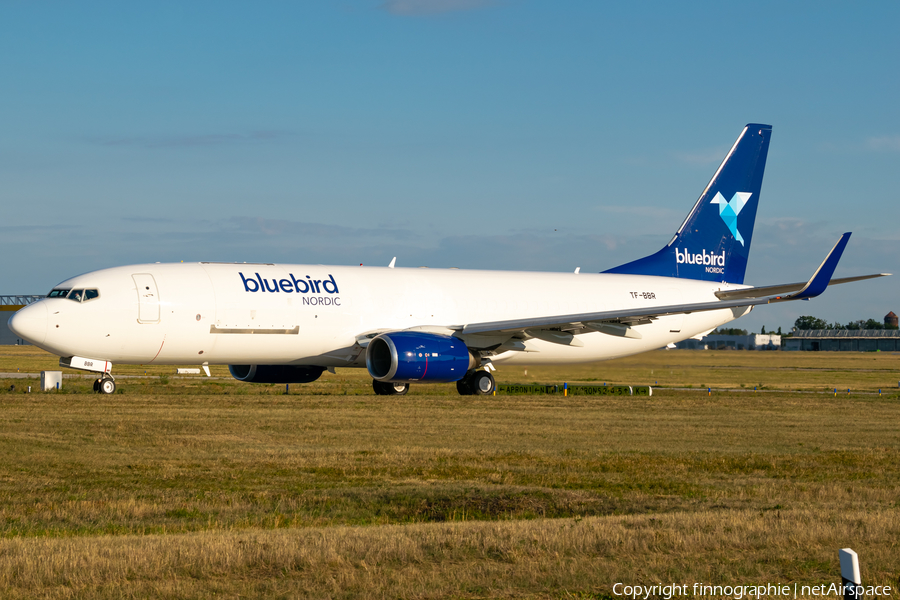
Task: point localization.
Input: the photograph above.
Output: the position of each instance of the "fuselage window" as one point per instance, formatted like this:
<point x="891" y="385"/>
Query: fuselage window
<point x="58" y="293"/>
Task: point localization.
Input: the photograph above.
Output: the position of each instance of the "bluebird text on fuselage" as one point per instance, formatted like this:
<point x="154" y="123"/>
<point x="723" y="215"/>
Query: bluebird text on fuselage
<point x="303" y="285"/>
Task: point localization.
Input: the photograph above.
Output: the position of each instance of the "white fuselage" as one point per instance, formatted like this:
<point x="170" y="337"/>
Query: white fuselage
<point x="313" y="314"/>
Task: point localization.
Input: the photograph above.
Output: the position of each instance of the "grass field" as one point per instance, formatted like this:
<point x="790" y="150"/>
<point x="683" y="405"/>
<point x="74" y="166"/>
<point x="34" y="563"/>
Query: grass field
<point x="202" y="488"/>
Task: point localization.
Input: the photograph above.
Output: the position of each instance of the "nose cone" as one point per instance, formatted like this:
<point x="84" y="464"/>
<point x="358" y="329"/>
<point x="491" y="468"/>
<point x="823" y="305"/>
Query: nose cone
<point x="30" y="323"/>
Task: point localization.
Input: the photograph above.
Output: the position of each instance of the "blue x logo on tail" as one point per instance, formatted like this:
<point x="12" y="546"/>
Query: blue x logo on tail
<point x="730" y="209"/>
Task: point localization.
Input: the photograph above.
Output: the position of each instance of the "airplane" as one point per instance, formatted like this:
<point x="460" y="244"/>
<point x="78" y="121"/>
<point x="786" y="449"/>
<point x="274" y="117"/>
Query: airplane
<point x="286" y="323"/>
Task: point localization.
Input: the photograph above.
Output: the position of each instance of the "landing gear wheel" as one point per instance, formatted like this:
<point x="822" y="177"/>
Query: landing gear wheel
<point x="399" y="389"/>
<point x="389" y="388"/>
<point x="105" y="386"/>
<point x="477" y="383"/>
<point x="483" y="383"/>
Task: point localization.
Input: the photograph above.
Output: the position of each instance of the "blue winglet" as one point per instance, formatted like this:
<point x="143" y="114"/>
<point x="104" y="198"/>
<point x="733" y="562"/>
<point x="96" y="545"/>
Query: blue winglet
<point x="822" y="276"/>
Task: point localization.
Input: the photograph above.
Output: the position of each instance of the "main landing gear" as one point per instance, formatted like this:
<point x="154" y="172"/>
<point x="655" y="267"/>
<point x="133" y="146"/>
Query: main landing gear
<point x="476" y="383"/>
<point x="389" y="388"/>
<point x="105" y="385"/>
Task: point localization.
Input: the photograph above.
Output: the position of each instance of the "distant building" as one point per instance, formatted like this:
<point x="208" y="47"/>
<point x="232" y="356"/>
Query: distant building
<point x="754" y="341"/>
<point x="890" y="320"/>
<point x="8" y="307"/>
<point x="845" y="340"/>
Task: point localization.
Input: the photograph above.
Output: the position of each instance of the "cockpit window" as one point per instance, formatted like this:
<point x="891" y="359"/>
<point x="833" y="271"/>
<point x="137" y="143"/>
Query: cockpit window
<point x="58" y="293"/>
<point x="83" y="295"/>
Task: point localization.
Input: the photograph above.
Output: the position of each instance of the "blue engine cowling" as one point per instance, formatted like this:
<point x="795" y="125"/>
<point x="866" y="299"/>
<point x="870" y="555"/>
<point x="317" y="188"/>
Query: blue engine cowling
<point x="276" y="373"/>
<point x="417" y="356"/>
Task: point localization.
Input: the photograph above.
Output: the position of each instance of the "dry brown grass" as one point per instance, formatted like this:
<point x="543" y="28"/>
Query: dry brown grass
<point x="866" y="371"/>
<point x="197" y="488"/>
<point x="542" y="558"/>
<point x="812" y="371"/>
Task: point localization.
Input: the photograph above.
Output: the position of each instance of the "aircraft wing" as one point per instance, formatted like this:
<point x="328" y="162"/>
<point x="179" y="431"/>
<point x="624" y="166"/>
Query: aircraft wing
<point x="629" y="316"/>
<point x="786" y="288"/>
<point x="562" y="328"/>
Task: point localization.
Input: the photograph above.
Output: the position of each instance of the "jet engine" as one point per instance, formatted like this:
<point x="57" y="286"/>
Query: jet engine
<point x="418" y="356"/>
<point x="275" y="373"/>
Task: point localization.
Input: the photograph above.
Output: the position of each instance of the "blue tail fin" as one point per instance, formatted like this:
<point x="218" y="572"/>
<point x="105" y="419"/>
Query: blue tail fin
<point x="713" y="243"/>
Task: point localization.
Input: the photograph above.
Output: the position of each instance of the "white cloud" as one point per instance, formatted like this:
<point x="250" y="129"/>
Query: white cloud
<point x="795" y="227"/>
<point x="669" y="215"/>
<point x="431" y="7"/>
<point x="707" y="157"/>
<point x="885" y="143"/>
<point x="191" y="140"/>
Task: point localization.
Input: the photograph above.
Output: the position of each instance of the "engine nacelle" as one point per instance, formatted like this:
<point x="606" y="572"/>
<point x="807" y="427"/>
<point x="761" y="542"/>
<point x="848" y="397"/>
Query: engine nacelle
<point x="275" y="373"/>
<point x="417" y="356"/>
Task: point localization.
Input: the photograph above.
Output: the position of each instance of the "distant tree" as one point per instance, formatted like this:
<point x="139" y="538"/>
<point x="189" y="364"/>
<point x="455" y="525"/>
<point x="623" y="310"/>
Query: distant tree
<point x="779" y="330"/>
<point x="873" y="324"/>
<point x="861" y="324"/>
<point x="763" y="330"/>
<point x="730" y="331"/>
<point x="865" y="324"/>
<point x="808" y="322"/>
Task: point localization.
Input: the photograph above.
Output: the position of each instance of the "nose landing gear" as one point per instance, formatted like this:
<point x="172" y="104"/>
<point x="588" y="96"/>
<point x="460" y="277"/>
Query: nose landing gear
<point x="105" y="385"/>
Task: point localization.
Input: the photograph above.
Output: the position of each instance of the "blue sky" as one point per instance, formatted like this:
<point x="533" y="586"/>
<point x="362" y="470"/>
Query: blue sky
<point x="490" y="134"/>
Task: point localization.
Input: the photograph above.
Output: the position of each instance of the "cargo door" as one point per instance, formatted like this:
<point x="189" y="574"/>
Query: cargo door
<point x="148" y="298"/>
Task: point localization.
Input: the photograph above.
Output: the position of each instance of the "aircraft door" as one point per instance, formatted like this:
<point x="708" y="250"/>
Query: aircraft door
<point x="148" y="298"/>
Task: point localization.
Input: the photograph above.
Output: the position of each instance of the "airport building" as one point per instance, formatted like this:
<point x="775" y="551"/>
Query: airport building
<point x="8" y="306"/>
<point x="754" y="341"/>
<point x="845" y="340"/>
